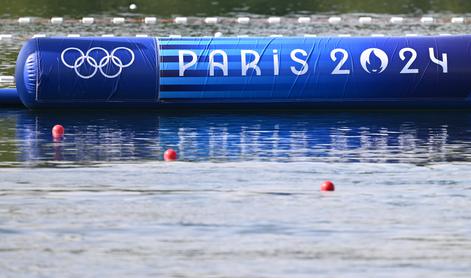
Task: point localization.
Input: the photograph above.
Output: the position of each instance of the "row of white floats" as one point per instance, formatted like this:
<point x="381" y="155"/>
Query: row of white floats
<point x="7" y="37"/>
<point x="241" y="20"/>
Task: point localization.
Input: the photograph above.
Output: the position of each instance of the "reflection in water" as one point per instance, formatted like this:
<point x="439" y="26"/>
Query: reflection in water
<point x="92" y="137"/>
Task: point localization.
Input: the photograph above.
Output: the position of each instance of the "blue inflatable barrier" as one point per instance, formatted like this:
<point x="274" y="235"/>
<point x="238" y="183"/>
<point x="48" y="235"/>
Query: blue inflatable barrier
<point x="328" y="72"/>
<point x="9" y="97"/>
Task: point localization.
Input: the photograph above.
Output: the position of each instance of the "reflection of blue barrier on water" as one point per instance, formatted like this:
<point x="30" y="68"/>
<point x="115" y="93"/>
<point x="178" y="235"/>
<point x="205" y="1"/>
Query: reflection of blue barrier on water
<point x="365" y="137"/>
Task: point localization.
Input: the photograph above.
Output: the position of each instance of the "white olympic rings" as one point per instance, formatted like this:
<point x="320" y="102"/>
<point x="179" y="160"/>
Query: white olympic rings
<point x="85" y="57"/>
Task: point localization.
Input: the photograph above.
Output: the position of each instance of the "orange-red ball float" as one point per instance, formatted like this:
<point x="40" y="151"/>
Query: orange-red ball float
<point x="327" y="186"/>
<point x="170" y="155"/>
<point x="58" y="131"/>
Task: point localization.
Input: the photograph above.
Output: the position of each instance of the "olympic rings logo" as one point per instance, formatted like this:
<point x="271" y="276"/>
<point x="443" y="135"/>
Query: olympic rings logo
<point x="104" y="63"/>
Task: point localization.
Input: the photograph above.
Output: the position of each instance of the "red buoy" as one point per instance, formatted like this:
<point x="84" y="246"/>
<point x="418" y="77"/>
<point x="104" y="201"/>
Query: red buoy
<point x="327" y="186"/>
<point x="57" y="131"/>
<point x="170" y="155"/>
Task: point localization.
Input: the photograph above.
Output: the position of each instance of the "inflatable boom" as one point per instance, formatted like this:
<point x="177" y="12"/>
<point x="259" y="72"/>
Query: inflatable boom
<point x="324" y="71"/>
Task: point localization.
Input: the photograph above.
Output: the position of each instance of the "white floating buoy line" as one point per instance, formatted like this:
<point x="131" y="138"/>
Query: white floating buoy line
<point x="276" y="21"/>
<point x="335" y="19"/>
<point x="150" y="20"/>
<point x="427" y="20"/>
<point x="457" y="20"/>
<point x="15" y="38"/>
<point x="365" y="20"/>
<point x="88" y="20"/>
<point x="396" y="20"/>
<point x="211" y="20"/>
<point x="304" y="20"/>
<point x="181" y="20"/>
<point x="24" y="20"/>
<point x="118" y="20"/>
<point x="5" y="37"/>
<point x="243" y="20"/>
<point x="57" y="20"/>
<point x="7" y="79"/>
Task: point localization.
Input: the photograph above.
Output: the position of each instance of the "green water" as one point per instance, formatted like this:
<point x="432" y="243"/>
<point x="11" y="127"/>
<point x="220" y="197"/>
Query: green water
<point x="212" y="7"/>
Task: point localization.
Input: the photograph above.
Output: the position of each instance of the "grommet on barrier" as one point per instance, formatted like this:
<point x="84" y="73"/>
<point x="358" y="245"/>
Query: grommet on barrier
<point x="57" y="20"/>
<point x="243" y="20"/>
<point x="304" y="20"/>
<point x="88" y="20"/>
<point x="274" y="20"/>
<point x="118" y="20"/>
<point x="132" y="7"/>
<point x="396" y="20"/>
<point x="181" y="20"/>
<point x="211" y="20"/>
<point x="334" y="19"/>
<point x="24" y="20"/>
<point x="365" y="20"/>
<point x="150" y="20"/>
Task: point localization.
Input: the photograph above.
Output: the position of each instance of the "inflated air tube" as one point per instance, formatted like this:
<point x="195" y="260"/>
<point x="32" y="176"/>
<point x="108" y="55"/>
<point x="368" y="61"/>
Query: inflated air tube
<point x="9" y="97"/>
<point x="324" y="71"/>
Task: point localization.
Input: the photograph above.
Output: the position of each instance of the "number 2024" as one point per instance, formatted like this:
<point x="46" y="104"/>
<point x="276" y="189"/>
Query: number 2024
<point x="407" y="69"/>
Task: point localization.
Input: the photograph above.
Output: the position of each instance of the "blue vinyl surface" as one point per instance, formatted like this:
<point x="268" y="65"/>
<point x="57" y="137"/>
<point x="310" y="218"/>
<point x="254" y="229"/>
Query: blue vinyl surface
<point x="324" y="71"/>
<point x="9" y="97"/>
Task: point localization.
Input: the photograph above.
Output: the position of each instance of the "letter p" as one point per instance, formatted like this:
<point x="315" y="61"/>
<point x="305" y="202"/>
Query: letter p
<point x="182" y="66"/>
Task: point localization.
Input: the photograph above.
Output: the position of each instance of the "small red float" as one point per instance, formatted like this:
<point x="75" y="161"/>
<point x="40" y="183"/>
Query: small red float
<point x="327" y="186"/>
<point x="57" y="131"/>
<point x="170" y="155"/>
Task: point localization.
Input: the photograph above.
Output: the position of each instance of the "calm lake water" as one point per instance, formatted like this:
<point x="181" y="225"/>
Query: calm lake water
<point x="243" y="200"/>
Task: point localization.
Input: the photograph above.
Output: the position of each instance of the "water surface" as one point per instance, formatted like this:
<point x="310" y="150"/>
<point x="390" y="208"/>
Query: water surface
<point x="243" y="200"/>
